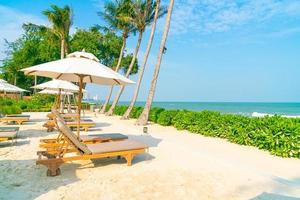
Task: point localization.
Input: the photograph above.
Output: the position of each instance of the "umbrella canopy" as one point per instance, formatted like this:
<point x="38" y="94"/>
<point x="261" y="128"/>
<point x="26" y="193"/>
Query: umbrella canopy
<point x="79" y="63"/>
<point x="46" y="91"/>
<point x="6" y="87"/>
<point x="58" y="85"/>
<point x="79" y="67"/>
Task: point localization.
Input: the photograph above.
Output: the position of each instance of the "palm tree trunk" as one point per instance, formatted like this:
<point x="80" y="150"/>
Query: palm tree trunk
<point x="142" y="69"/>
<point x="117" y="98"/>
<point x="62" y="48"/>
<point x="143" y="119"/>
<point x="103" y="109"/>
<point x="66" y="47"/>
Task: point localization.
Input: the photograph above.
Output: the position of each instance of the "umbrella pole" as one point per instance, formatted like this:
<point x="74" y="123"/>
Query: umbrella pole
<point x="79" y="103"/>
<point x="58" y="102"/>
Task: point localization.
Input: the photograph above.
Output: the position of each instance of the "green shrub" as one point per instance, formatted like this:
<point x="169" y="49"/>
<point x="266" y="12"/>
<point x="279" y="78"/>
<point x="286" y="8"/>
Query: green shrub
<point x="154" y="113"/>
<point x="8" y="110"/>
<point x="43" y="99"/>
<point x="120" y="110"/>
<point x="166" y="117"/>
<point x="38" y="103"/>
<point x="136" y="112"/>
<point x="280" y="136"/>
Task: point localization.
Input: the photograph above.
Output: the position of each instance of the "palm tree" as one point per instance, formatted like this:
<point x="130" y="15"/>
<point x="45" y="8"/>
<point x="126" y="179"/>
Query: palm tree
<point x="143" y="119"/>
<point x="142" y="15"/>
<point x="142" y="69"/>
<point x="112" y="13"/>
<point x="61" y="20"/>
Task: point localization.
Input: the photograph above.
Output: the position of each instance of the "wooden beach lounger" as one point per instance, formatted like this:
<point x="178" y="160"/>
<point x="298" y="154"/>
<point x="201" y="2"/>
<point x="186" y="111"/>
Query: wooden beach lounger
<point x="65" y="116"/>
<point x="7" y="133"/>
<point x="20" y="119"/>
<point x="53" y="160"/>
<point x="87" y="139"/>
<point x="84" y="124"/>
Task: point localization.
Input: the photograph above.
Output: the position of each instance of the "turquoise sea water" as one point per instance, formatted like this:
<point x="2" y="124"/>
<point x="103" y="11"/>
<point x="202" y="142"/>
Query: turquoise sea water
<point x="291" y="109"/>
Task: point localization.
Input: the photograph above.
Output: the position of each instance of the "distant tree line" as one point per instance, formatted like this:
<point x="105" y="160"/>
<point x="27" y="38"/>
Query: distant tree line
<point x="108" y="42"/>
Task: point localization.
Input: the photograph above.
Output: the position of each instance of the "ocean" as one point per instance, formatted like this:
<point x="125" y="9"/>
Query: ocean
<point x="248" y="109"/>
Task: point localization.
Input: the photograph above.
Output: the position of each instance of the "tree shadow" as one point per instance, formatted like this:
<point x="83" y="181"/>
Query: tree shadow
<point x="113" y="160"/>
<point x="287" y="182"/>
<point x="283" y="189"/>
<point x="272" y="196"/>
<point x="10" y="143"/>
<point x="103" y="124"/>
<point x="38" y="120"/>
<point x="32" y="133"/>
<point x="15" y="175"/>
<point x="146" y="139"/>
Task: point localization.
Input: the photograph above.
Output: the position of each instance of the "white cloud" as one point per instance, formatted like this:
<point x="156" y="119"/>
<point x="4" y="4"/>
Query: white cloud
<point x="207" y="16"/>
<point x="11" y="25"/>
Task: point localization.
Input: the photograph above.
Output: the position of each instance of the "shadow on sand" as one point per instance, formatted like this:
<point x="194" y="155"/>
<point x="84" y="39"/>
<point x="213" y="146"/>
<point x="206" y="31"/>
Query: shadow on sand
<point x="283" y="190"/>
<point x="9" y="143"/>
<point x="15" y="175"/>
<point x="272" y="196"/>
<point x="146" y="139"/>
<point x="32" y="133"/>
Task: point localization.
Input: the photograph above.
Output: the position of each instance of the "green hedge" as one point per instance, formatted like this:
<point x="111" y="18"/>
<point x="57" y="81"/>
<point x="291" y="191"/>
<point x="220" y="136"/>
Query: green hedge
<point x="38" y="103"/>
<point x="278" y="135"/>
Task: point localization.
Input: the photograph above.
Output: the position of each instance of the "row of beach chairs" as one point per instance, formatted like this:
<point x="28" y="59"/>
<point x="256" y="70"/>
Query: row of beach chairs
<point x="60" y="150"/>
<point x="11" y="132"/>
<point x="70" y="120"/>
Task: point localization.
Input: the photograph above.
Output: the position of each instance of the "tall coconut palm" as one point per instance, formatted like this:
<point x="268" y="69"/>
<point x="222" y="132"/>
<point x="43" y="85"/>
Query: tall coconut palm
<point x="112" y="15"/>
<point x="61" y="20"/>
<point x="142" y="15"/>
<point x="142" y="69"/>
<point x="143" y="119"/>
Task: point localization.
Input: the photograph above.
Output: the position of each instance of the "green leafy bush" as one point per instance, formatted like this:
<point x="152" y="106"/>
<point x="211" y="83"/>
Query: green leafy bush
<point x="154" y="113"/>
<point x="8" y="110"/>
<point x="165" y="118"/>
<point x="136" y="112"/>
<point x="278" y="135"/>
<point x="120" y="110"/>
<point x="38" y="103"/>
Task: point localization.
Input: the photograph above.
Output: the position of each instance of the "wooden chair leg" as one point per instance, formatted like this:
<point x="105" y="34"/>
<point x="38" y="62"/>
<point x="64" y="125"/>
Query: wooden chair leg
<point x="53" y="169"/>
<point x="129" y="158"/>
<point x="52" y="166"/>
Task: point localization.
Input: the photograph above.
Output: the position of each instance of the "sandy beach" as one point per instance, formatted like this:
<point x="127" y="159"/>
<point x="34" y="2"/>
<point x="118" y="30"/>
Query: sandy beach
<point x="179" y="165"/>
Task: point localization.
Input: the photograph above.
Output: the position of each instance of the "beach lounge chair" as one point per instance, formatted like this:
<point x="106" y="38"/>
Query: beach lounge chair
<point x="85" y="124"/>
<point x="19" y="119"/>
<point x="65" y="116"/>
<point x="8" y="133"/>
<point x="87" y="139"/>
<point x="53" y="160"/>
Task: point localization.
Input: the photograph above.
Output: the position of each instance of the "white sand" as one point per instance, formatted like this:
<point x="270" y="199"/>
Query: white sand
<point x="179" y="165"/>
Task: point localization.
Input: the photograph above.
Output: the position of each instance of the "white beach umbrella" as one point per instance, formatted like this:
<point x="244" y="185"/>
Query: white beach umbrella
<point x="79" y="67"/>
<point x="46" y="91"/>
<point x="6" y="87"/>
<point x="58" y="85"/>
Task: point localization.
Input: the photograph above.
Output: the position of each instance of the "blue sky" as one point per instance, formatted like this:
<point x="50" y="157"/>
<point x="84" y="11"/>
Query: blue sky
<point x="230" y="50"/>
